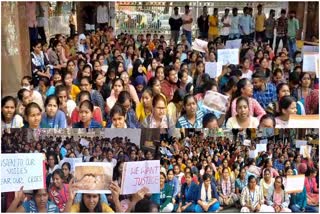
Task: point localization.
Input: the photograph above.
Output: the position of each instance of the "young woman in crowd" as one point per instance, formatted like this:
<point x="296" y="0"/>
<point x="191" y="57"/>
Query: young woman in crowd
<point x="53" y="117"/>
<point x="9" y="118"/>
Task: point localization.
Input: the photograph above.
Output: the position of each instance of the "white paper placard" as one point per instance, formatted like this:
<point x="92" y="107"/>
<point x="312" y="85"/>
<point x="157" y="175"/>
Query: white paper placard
<point x="247" y="142"/>
<point x="200" y="45"/>
<point x="228" y="56"/>
<point x="310" y="62"/>
<point x="231" y="44"/>
<point x="214" y="69"/>
<point x="305" y="150"/>
<point x="261" y="147"/>
<point x="215" y="101"/>
<point x="295" y="183"/>
<point x="301" y="143"/>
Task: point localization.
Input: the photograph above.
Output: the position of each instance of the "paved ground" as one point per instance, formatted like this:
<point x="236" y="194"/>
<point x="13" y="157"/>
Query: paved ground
<point x="230" y="210"/>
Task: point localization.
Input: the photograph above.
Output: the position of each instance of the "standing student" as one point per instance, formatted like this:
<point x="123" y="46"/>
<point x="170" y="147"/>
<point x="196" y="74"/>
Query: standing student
<point x="187" y="23"/>
<point x="175" y="22"/>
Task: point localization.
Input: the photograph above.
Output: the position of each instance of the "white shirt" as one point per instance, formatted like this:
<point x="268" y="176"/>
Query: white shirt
<point x="247" y="75"/>
<point x="102" y="14"/>
<point x="188" y="17"/>
<point x="17" y="122"/>
<point x="226" y="30"/>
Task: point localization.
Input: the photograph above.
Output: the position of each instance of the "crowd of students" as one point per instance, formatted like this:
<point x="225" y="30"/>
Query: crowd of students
<point x="208" y="174"/>
<point x="59" y="194"/>
<point x="100" y="79"/>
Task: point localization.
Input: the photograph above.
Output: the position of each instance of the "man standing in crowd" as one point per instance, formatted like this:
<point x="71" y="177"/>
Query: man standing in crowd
<point x="226" y="23"/>
<point x="102" y="15"/>
<point x="187" y="24"/>
<point x="234" y="29"/>
<point x="252" y="23"/>
<point x="245" y="23"/>
<point x="282" y="29"/>
<point x="293" y="28"/>
<point x="203" y="24"/>
<point x="269" y="25"/>
<point x="175" y="22"/>
<point x="260" y="20"/>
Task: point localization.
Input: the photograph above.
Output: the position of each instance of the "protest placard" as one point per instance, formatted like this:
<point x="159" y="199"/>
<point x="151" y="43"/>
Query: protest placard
<point x="22" y="169"/>
<point x="199" y="45"/>
<point x="310" y="49"/>
<point x="84" y="142"/>
<point x="305" y="150"/>
<point x="214" y="69"/>
<point x="133" y="134"/>
<point x="231" y="44"/>
<point x="72" y="162"/>
<point x="301" y="143"/>
<point x="139" y="174"/>
<point x="228" y="56"/>
<point x="294" y="183"/>
<point x="247" y="142"/>
<point x="215" y="101"/>
<point x="261" y="147"/>
<point x="304" y="121"/>
<point x="264" y="141"/>
<point x="93" y="177"/>
<point x="310" y="62"/>
<point x="253" y="153"/>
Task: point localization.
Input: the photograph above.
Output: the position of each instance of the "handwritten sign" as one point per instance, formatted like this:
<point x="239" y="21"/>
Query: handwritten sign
<point x="93" y="177"/>
<point x="139" y="174"/>
<point x="199" y="45"/>
<point x="305" y="150"/>
<point x="247" y="142"/>
<point x="214" y="69"/>
<point x="301" y="143"/>
<point x="261" y="147"/>
<point x="228" y="56"/>
<point x="215" y="101"/>
<point x="72" y="162"/>
<point x="295" y="183"/>
<point x="22" y="169"/>
<point x="84" y="142"/>
<point x="310" y="62"/>
<point x="304" y="121"/>
<point x="231" y="44"/>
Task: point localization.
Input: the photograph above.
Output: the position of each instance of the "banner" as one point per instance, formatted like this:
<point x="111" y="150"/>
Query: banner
<point x="228" y="56"/>
<point x="93" y="177"/>
<point x="139" y="174"/>
<point x="295" y="183"/>
<point x="22" y="169"/>
<point x="72" y="162"/>
<point x="214" y="69"/>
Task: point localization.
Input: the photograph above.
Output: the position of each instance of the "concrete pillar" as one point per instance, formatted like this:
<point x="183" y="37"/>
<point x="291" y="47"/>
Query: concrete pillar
<point x="15" y="49"/>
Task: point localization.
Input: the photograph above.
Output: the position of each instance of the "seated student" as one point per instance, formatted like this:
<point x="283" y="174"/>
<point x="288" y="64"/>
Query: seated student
<point x="208" y="198"/>
<point x="188" y="195"/>
<point x="146" y="206"/>
<point x="267" y="121"/>
<point x="226" y="188"/>
<point x="33" y="116"/>
<point x="311" y="186"/>
<point x="166" y="195"/>
<point x="39" y="203"/>
<point x="58" y="192"/>
<point x="118" y="117"/>
<point x="27" y="83"/>
<point x="278" y="199"/>
<point x="252" y="199"/>
<point x="9" y="118"/>
<point x="53" y="117"/>
<point x="210" y="121"/>
<point x="45" y="88"/>
<point x="287" y="107"/>
<point x="86" y="116"/>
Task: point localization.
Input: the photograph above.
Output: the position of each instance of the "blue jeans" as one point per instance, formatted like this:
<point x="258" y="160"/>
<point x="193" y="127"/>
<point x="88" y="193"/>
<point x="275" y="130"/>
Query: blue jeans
<point x="292" y="45"/>
<point x="192" y="208"/>
<point x="188" y="35"/>
<point x="308" y="209"/>
<point x="214" y="207"/>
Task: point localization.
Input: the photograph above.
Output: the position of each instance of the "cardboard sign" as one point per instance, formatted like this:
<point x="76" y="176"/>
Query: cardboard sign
<point x="295" y="183"/>
<point x="72" y="162"/>
<point x="22" y="169"/>
<point x="84" y="142"/>
<point x="247" y="142"/>
<point x="301" y="143"/>
<point x="214" y="69"/>
<point x="200" y="45"/>
<point x="261" y="147"/>
<point x="304" y="121"/>
<point x="310" y="62"/>
<point x="305" y="150"/>
<point x="253" y="153"/>
<point x="231" y="44"/>
<point x="139" y="174"/>
<point x="93" y="177"/>
<point x="228" y="56"/>
<point x="215" y="101"/>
